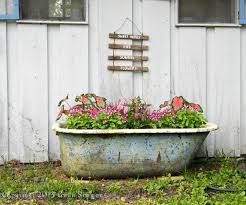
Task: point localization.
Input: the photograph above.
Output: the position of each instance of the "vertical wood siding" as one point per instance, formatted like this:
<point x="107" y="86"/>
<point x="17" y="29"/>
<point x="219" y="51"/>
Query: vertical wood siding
<point x="223" y="90"/>
<point x="41" y="64"/>
<point x="28" y="94"/>
<point x="67" y="70"/>
<point x="137" y="18"/>
<point x="243" y="92"/>
<point x="3" y="94"/>
<point x="113" y="85"/>
<point x="156" y="83"/>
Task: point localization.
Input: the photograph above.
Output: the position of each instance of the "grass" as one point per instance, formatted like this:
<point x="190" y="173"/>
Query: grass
<point x="46" y="184"/>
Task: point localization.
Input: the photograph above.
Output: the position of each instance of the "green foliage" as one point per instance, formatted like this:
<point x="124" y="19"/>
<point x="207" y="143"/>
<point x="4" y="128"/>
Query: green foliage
<point x="184" y="119"/>
<point x="138" y="114"/>
<point x="115" y="188"/>
<point x="157" y="187"/>
<point x="60" y="186"/>
<point x="92" y="112"/>
<point x="33" y="180"/>
<point x="167" y="122"/>
<point x="101" y="122"/>
<point x="190" y="119"/>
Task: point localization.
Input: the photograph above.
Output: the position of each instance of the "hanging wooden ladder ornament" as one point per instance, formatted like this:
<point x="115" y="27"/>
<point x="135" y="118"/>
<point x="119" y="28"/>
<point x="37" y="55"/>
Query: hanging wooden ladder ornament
<point x="136" y="59"/>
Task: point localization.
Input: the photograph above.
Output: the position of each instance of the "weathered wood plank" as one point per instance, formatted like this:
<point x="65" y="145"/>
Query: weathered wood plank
<point x="127" y="36"/>
<point x="174" y="46"/>
<point x="156" y="83"/>
<point x="129" y="58"/>
<point x="189" y="75"/>
<point x="3" y="94"/>
<point x="137" y="16"/>
<point x="94" y="51"/>
<point x="68" y="70"/>
<point x="29" y="93"/>
<point x="129" y="47"/>
<point x="210" y="141"/>
<point x="128" y="68"/>
<point x="16" y="147"/>
<point x="114" y="85"/>
<point x="223" y="89"/>
<point x="243" y="91"/>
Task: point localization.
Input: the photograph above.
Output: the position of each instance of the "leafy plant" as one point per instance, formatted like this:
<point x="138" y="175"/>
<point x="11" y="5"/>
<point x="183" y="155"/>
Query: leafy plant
<point x="115" y="188"/>
<point x="190" y="119"/>
<point x="103" y="121"/>
<point x="138" y="114"/>
<point x="158" y="186"/>
<point x="178" y="103"/>
<point x="93" y="112"/>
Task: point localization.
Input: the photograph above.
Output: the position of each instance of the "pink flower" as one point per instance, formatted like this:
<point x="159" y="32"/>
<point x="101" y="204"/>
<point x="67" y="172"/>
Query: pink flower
<point x="75" y="110"/>
<point x="142" y="119"/>
<point x="126" y="110"/>
<point x="136" y="115"/>
<point x="121" y="105"/>
<point x="94" y="113"/>
<point x="156" y="115"/>
<point x="110" y="109"/>
<point x="136" y="109"/>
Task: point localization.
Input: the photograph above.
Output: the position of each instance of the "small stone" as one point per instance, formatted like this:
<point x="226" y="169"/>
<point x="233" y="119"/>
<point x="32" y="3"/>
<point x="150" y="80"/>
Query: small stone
<point x="174" y="178"/>
<point x="178" y="178"/>
<point x="85" y="181"/>
<point x="123" y="199"/>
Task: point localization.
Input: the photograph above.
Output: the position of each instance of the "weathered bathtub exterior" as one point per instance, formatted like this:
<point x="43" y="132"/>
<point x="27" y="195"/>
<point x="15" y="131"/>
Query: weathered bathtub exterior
<point x="128" y="153"/>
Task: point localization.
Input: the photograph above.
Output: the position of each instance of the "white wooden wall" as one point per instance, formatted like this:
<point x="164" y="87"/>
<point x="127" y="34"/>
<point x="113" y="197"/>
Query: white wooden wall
<point x="40" y="64"/>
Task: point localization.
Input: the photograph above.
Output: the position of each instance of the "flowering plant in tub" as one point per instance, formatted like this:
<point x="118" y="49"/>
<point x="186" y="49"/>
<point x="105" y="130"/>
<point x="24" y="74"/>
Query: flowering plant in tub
<point x="115" y="140"/>
<point x="93" y="112"/>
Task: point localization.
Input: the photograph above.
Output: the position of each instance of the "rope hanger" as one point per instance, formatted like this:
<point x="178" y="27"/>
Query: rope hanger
<point x="128" y="20"/>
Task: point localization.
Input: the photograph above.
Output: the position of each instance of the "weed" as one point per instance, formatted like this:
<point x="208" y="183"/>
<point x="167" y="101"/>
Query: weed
<point x="159" y="185"/>
<point x="115" y="188"/>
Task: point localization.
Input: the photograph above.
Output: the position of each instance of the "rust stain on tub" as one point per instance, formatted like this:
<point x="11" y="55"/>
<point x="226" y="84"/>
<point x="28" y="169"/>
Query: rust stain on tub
<point x="158" y="157"/>
<point x="119" y="157"/>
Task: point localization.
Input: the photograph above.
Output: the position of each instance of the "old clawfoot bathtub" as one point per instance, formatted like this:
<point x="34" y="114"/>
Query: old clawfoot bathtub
<point x="128" y="153"/>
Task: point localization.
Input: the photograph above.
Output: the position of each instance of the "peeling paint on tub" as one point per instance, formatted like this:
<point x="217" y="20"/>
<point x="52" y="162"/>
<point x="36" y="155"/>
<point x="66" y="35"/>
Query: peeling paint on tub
<point x="124" y="155"/>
